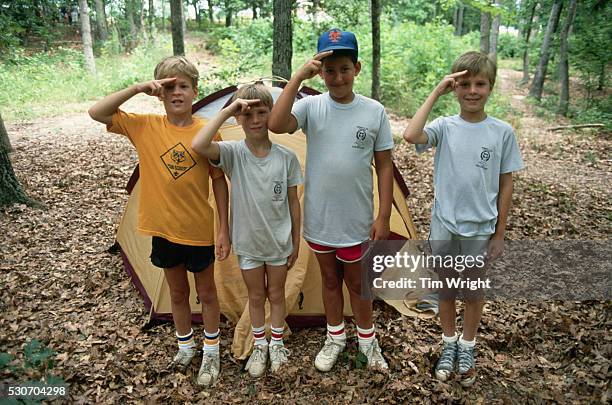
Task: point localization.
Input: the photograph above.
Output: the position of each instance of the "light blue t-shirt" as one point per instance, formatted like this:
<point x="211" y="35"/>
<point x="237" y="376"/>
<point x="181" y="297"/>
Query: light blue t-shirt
<point x="341" y="141"/>
<point x="260" y="217"/>
<point x="468" y="162"/>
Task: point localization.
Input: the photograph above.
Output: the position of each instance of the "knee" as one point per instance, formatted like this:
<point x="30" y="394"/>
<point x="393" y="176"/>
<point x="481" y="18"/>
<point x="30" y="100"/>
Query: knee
<point x="331" y="281"/>
<point x="354" y="286"/>
<point x="179" y="295"/>
<point x="276" y="295"/>
<point x="207" y="294"/>
<point x="257" y="298"/>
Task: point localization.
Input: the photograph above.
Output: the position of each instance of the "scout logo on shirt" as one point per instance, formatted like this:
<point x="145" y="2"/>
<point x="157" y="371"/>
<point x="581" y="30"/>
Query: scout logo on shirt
<point x="177" y="160"/>
<point x="360" y="137"/>
<point x="278" y="191"/>
<point x="485" y="155"/>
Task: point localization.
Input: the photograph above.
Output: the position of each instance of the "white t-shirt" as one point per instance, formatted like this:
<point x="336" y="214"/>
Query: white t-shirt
<point x="341" y="141"/>
<point x="260" y="218"/>
<point x="468" y="161"/>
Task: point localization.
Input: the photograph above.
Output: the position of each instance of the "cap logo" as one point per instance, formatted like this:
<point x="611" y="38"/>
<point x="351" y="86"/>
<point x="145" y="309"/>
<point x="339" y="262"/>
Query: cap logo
<point x="334" y="36"/>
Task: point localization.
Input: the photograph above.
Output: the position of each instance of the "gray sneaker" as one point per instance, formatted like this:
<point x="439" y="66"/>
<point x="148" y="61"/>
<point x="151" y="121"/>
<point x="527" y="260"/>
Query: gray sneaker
<point x="446" y="363"/>
<point x="183" y="358"/>
<point x="328" y="355"/>
<point x="466" y="366"/>
<point x="256" y="366"/>
<point x="375" y="357"/>
<point x="278" y="356"/>
<point x="209" y="370"/>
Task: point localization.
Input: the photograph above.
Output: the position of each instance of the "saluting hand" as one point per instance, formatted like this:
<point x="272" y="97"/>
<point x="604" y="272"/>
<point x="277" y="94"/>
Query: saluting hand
<point x="449" y="83"/>
<point x="313" y="66"/>
<point x="154" y="87"/>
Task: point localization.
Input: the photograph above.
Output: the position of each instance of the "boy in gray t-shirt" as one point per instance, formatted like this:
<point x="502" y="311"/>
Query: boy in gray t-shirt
<point x="345" y="132"/>
<point x="475" y="157"/>
<point x="265" y="214"/>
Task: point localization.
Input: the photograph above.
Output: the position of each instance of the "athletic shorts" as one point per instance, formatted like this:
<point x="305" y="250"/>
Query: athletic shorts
<point x="350" y="254"/>
<point x="248" y="263"/>
<point x="166" y="254"/>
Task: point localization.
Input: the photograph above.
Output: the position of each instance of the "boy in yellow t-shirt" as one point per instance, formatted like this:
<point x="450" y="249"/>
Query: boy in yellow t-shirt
<point x="174" y="206"/>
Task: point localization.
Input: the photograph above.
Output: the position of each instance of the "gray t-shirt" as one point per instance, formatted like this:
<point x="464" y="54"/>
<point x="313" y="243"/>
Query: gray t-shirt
<point x="260" y="218"/>
<point x="468" y="162"/>
<point x="341" y="141"/>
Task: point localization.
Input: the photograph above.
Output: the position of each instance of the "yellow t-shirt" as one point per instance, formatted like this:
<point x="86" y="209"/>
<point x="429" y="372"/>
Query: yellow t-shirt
<point x="173" y="178"/>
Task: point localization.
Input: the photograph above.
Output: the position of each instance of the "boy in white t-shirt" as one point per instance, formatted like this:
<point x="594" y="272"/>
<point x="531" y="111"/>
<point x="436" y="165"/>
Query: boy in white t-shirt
<point x="265" y="213"/>
<point x="345" y="132"/>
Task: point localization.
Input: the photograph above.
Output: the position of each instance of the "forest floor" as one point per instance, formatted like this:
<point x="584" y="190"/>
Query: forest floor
<point x="61" y="286"/>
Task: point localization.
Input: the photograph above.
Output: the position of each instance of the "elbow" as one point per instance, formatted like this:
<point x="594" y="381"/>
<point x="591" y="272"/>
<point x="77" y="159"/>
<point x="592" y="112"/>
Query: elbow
<point x="92" y="113"/>
<point x="275" y="125"/>
<point x="408" y="137"/>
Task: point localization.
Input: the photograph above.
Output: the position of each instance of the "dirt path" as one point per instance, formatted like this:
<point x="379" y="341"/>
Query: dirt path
<point x="62" y="287"/>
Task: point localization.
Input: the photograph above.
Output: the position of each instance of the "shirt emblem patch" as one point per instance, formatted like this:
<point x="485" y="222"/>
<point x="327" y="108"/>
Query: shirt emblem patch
<point x="177" y="160"/>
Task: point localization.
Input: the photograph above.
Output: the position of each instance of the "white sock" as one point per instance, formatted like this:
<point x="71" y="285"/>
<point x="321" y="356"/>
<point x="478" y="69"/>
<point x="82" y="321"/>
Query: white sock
<point x="365" y="337"/>
<point x="277" y="336"/>
<point x="211" y="342"/>
<point x="467" y="343"/>
<point x="259" y="335"/>
<point x="185" y="342"/>
<point x="450" y="339"/>
<point x="337" y="333"/>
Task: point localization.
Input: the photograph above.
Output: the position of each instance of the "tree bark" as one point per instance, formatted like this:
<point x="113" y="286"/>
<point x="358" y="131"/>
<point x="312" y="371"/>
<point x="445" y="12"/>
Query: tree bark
<point x="563" y="59"/>
<point x="282" y="47"/>
<point x="184" y="13"/>
<point x="228" y="13"/>
<point x="163" y="15"/>
<point x="90" y="63"/>
<point x="10" y="189"/>
<point x="459" y="19"/>
<point x="528" y="29"/>
<point x="101" y="20"/>
<point x="494" y="35"/>
<point x="376" y="10"/>
<point x="151" y="16"/>
<point x="537" y="84"/>
<point x="485" y="31"/>
<point x="211" y="16"/>
<point x="197" y="11"/>
<point x="176" y="17"/>
<point x="129" y="16"/>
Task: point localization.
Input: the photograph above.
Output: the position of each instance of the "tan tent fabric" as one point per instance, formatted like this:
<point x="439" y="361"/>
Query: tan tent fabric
<point x="303" y="286"/>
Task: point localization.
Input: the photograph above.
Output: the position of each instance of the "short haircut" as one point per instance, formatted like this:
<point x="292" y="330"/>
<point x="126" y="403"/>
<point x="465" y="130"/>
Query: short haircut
<point x="254" y="91"/>
<point x="172" y="65"/>
<point x="476" y="63"/>
<point x="339" y="53"/>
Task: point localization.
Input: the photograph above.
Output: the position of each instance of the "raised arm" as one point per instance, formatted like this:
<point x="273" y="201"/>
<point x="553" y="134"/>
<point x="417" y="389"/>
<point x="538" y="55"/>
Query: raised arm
<point x="104" y="109"/>
<point x="281" y="120"/>
<point x="414" y="132"/>
<point x="203" y="141"/>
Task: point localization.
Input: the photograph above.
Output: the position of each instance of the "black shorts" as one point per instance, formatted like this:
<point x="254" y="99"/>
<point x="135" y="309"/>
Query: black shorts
<point x="166" y="254"/>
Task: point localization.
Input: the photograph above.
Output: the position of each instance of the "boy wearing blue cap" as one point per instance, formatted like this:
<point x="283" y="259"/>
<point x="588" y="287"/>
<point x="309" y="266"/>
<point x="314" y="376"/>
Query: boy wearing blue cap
<point x="344" y="131"/>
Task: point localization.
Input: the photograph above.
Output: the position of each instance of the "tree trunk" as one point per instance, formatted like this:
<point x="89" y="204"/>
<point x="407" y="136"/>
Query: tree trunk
<point x="197" y="11"/>
<point x="485" y="31"/>
<point x="150" y="17"/>
<point x="129" y="16"/>
<point x="176" y="17"/>
<point x="101" y="20"/>
<point x="254" y="9"/>
<point x="211" y="16"/>
<point x="563" y="59"/>
<point x="163" y="8"/>
<point x="376" y="10"/>
<point x="459" y="19"/>
<point x="538" y="80"/>
<point x="143" y="10"/>
<point x="282" y="48"/>
<point x="90" y="63"/>
<point x="10" y="189"/>
<point x="528" y="29"/>
<point x="184" y="14"/>
<point x="494" y="35"/>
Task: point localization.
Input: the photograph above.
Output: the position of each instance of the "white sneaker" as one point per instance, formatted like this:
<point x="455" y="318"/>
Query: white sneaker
<point x="209" y="370"/>
<point x="374" y="355"/>
<point x="328" y="355"/>
<point x="256" y="365"/>
<point x="183" y="358"/>
<point x="278" y="356"/>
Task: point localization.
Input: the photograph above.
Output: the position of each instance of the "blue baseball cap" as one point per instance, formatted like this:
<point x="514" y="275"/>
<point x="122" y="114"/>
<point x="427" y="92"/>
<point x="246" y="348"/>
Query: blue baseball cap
<point x="337" y="39"/>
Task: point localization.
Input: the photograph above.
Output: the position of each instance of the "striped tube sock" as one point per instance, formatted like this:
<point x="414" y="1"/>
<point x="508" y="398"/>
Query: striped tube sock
<point x="365" y="337"/>
<point x="211" y="342"/>
<point x="185" y="342"/>
<point x="337" y="333"/>
<point x="259" y="335"/>
<point x="277" y="335"/>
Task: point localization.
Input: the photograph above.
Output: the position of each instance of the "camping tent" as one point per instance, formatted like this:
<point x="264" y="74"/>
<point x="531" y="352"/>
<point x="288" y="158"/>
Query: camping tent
<point x="303" y="286"/>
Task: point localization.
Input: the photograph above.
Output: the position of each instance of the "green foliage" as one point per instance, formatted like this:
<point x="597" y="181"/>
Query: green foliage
<point x="361" y="361"/>
<point x="42" y="81"/>
<point x="509" y="46"/>
<point x="37" y="357"/>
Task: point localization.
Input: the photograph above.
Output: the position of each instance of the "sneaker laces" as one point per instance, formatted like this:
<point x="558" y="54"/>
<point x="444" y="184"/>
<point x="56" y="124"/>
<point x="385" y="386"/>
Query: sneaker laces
<point x="330" y="347"/>
<point x="447" y="358"/>
<point x="465" y="358"/>
<point x="258" y="353"/>
<point x="280" y="352"/>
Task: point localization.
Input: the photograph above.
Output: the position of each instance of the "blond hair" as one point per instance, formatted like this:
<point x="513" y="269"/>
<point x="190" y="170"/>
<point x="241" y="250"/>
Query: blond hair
<point x="255" y="91"/>
<point x="172" y="65"/>
<point x="475" y="63"/>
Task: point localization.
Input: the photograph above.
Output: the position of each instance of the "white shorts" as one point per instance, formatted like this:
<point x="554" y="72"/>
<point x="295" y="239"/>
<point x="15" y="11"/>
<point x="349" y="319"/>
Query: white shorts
<point x="247" y="263"/>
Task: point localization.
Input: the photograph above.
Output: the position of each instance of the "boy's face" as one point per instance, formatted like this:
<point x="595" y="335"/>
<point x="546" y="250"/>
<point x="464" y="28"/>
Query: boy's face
<point x="255" y="121"/>
<point x="472" y="92"/>
<point x="178" y="96"/>
<point x="339" y="74"/>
